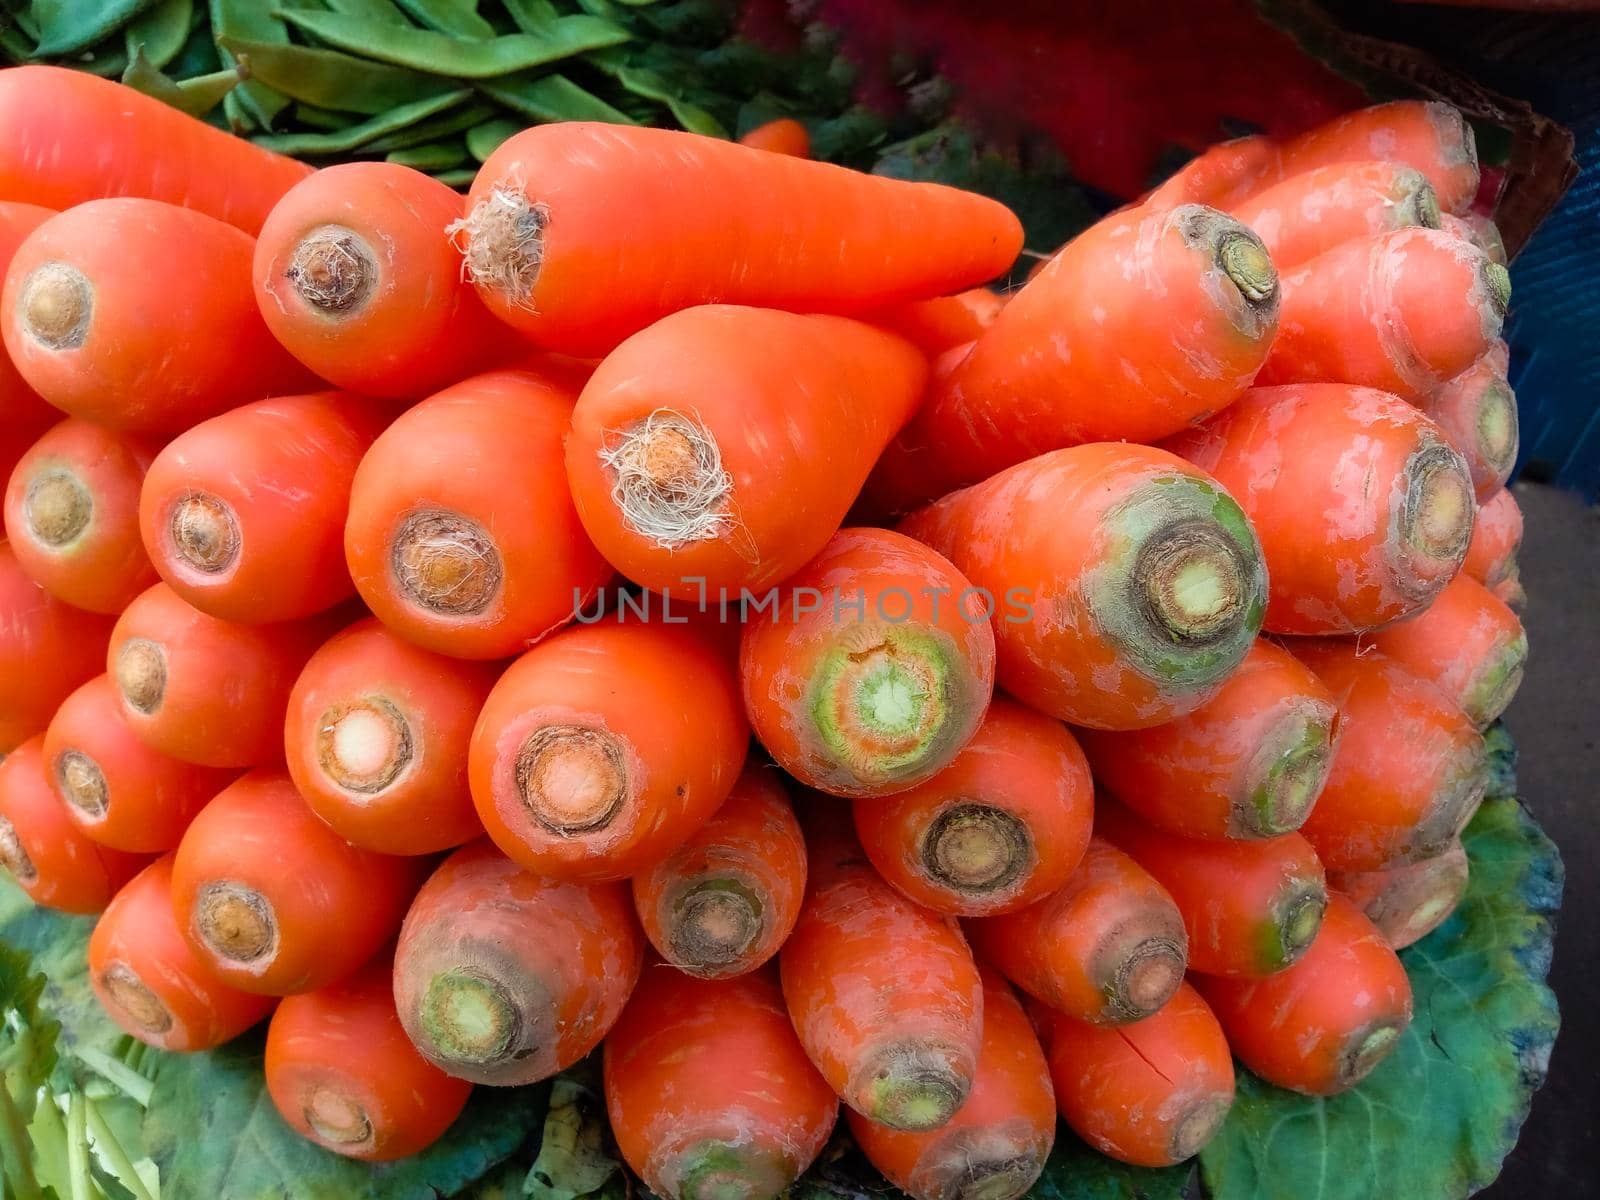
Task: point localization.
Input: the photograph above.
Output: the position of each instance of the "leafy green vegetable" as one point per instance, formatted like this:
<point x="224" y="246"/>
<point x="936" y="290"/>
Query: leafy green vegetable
<point x="196" y="96"/>
<point x="251" y="21"/>
<point x="333" y="80"/>
<point x="459" y="18"/>
<point x="352" y="137"/>
<point x="1076" y="1172"/>
<point x="162" y="31"/>
<point x="551" y="98"/>
<point x="443" y="155"/>
<point x="67" y="26"/>
<point x="576" y="1158"/>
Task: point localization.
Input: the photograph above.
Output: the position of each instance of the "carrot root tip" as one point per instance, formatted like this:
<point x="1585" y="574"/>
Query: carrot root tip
<point x="141" y="671"/>
<point x="1198" y="1126"/>
<point x="914" y="1086"/>
<point x="976" y="849"/>
<point x="333" y="270"/>
<point x="1296" y="917"/>
<point x="56" y="305"/>
<point x="365" y="745"/>
<point x="1292" y="767"/>
<point x="572" y="779"/>
<point x="57" y="508"/>
<point x="469" y="1019"/>
<point x="82" y="784"/>
<point x="203" y="532"/>
<point x="720" y="1170"/>
<point x="140" y="1006"/>
<point x="502" y="244"/>
<point x="237" y="923"/>
<point x="1435" y="520"/>
<point x="1497" y="682"/>
<point x="1417" y="203"/>
<point x="446" y="563"/>
<point x="668" y="481"/>
<point x="714" y="924"/>
<point x="14" y="855"/>
<point x="1496" y="426"/>
<point x="1366" y="1048"/>
<point x="338" y="1120"/>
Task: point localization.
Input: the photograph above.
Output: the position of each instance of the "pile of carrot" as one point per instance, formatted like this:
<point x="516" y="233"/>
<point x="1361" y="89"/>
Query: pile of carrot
<point x="663" y="600"/>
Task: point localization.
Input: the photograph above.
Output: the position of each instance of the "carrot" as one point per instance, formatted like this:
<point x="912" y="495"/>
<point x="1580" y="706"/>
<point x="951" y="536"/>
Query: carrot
<point x="1496" y="538"/>
<point x="48" y="856"/>
<point x="1221" y="176"/>
<point x="708" y="1089"/>
<point x="579" y="234"/>
<point x="1249" y="907"/>
<point x="115" y="788"/>
<point x="1363" y="510"/>
<point x="1510" y="592"/>
<point x="340" y="1071"/>
<point x="996" y="1144"/>
<point x="1321" y="1026"/>
<point x="19" y="404"/>
<point x="17" y="439"/>
<point x="1467" y="643"/>
<point x="1004" y="825"/>
<point x="72" y="514"/>
<point x="871" y="668"/>
<point x="1152" y="1093"/>
<point x="884" y="994"/>
<point x="943" y="323"/>
<point x="1480" y="230"/>
<point x="276" y="901"/>
<point x="1307" y="214"/>
<point x="204" y="690"/>
<point x="354" y="276"/>
<point x="506" y="977"/>
<point x="1109" y="947"/>
<point x="1409" y="771"/>
<point x="722" y="903"/>
<point x="721" y="447"/>
<point x="1477" y="411"/>
<point x="1498" y="356"/>
<point x="1401" y="311"/>
<point x="1125" y="585"/>
<point x="781" y="135"/>
<point x="152" y="984"/>
<point x="46" y="650"/>
<point x="1141" y="325"/>
<point x="244" y="514"/>
<point x="376" y="740"/>
<point x="479" y="563"/>
<point x="1410" y="901"/>
<point x="138" y="315"/>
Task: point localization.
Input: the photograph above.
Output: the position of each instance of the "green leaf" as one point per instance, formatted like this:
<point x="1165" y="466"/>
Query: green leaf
<point x="68" y="26"/>
<point x="458" y="18"/>
<point x="576" y="1157"/>
<point x="551" y="98"/>
<point x="196" y="96"/>
<point x="352" y="137"/>
<point x="162" y="31"/>
<point x="251" y="21"/>
<point x="531" y="16"/>
<point x="333" y="80"/>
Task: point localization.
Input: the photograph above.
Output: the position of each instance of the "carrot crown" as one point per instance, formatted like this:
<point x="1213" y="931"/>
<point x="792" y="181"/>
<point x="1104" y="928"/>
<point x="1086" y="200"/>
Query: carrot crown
<point x="14" y="855"/>
<point x="204" y="533"/>
<point x="668" y="481"/>
<point x="1497" y="681"/>
<point x="82" y="783"/>
<point x="977" y="848"/>
<point x="333" y="270"/>
<point x="365" y="745"/>
<point x="1435" y="520"/>
<point x="914" y="1085"/>
<point x="715" y="922"/>
<point x="722" y="1169"/>
<point x="1295" y="918"/>
<point x="141" y="1007"/>
<point x="57" y="305"/>
<point x="57" y="508"/>
<point x="236" y="923"/>
<point x="446" y="563"/>
<point x="502" y="241"/>
<point x="1291" y="766"/>
<point x="141" y="674"/>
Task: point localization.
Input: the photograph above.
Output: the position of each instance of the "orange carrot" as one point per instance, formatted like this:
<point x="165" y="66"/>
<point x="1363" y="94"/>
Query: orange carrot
<point x="473" y="563"/>
<point x="276" y="901"/>
<point x="996" y="1144"/>
<point x="19" y="404"/>
<point x="1248" y="763"/>
<point x="1004" y="825"/>
<point x="944" y="322"/>
<point x="46" y="650"/>
<point x="340" y="1071"/>
<point x="204" y="690"/>
<point x="1125" y="585"/>
<point x="506" y="977"/>
<point x="781" y="135"/>
<point x="69" y="137"/>
<point x="601" y="750"/>
<point x="871" y="668"/>
<point x="353" y="275"/>
<point x="1152" y="1093"/>
<point x="1221" y="176"/>
<point x="1306" y="214"/>
<point x="1477" y="411"/>
<point x="579" y="234"/>
<point x="115" y="788"/>
<point x="138" y="315"/>
<point x="884" y="994"/>
<point x="1480" y="230"/>
<point x="1249" y="907"/>
<point x="1143" y="324"/>
<point x="1363" y="509"/>
<point x="72" y="514"/>
<point x="1496" y="538"/>
<point x="1410" y="901"/>
<point x="376" y="740"/>
<point x="1109" y="947"/>
<point x="723" y="902"/>
<point x="17" y="439"/>
<point x="709" y="1091"/>
<point x="1467" y="643"/>
<point x="152" y="984"/>
<point x="1409" y="770"/>
<point x="244" y="514"/>
<point x="1321" y="1026"/>
<point x="48" y="856"/>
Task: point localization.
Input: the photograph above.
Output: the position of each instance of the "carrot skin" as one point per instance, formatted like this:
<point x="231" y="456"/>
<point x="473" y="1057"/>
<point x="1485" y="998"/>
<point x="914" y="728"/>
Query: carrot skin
<point x="1315" y="211"/>
<point x="1410" y="901"/>
<point x="943" y="323"/>
<point x="1496" y="538"/>
<point x="1478" y="229"/>
<point x="1477" y="410"/>
<point x="20" y="405"/>
<point x="1221" y="176"/>
<point x="781" y="135"/>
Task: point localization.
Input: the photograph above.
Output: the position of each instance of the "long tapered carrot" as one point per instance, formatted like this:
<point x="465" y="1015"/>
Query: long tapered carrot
<point x="354" y="275"/>
<point x="72" y="514"/>
<point x="152" y="984"/>
<point x="1363" y="509"/>
<point x="708" y="1089"/>
<point x="1248" y="763"/>
<point x="1140" y="326"/>
<point x="1306" y="214"/>
<point x="1467" y="643"/>
<point x="1477" y="410"/>
<point x="943" y="323"/>
<point x="1410" y="901"/>
<point x="276" y="901"/>
<point x="601" y="750"/>
<point x="479" y="563"/>
<point x="117" y="789"/>
<point x="505" y="977"/>
<point x="721" y="447"/>
<point x="871" y="668"/>
<point x="997" y="1143"/>
<point x="138" y="315"/>
<point x="1321" y="1026"/>
<point x="1004" y="825"/>
<point x="205" y="690"/>
<point x="243" y="515"/>
<point x="342" y="1073"/>
<point x="376" y="738"/>
<point x="722" y="903"/>
<point x="1496" y="538"/>
<point x="47" y="649"/>
<point x="48" y="856"/>
<point x="1125" y="585"/>
<point x="19" y="403"/>
<point x="884" y="994"/>
<point x="1409" y="770"/>
<point x="1109" y="947"/>
<point x="705" y="222"/>
<point x="1222" y="175"/>
<point x="781" y="135"/>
